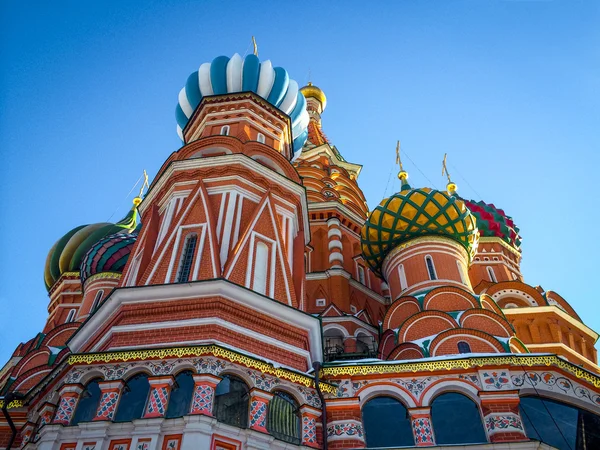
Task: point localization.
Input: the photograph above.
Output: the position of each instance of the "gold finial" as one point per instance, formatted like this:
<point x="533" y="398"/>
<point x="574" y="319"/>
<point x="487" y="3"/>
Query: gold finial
<point x="255" y="46"/>
<point x="451" y="186"/>
<point x="402" y="174"/>
<point x="137" y="200"/>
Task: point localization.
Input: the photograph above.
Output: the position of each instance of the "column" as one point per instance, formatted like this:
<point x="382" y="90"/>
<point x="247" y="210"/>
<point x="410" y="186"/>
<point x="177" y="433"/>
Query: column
<point x="27" y="433"/>
<point x="259" y="402"/>
<point x="160" y="388"/>
<point x="204" y="394"/>
<point x="420" y="419"/>
<point x="501" y="416"/>
<point x="334" y="235"/>
<point x="69" y="396"/>
<point x="111" y="393"/>
<point x="46" y="413"/>
<point x="310" y="419"/>
<point x="344" y="424"/>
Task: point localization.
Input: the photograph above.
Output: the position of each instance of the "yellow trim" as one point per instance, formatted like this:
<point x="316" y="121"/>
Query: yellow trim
<point x="568" y="349"/>
<point x="13" y="404"/>
<point x="96" y="276"/>
<point x="464" y="363"/>
<point x="201" y="350"/>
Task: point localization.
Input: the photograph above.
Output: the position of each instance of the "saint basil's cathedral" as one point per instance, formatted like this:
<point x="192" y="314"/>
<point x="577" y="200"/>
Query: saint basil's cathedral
<point x="250" y="300"/>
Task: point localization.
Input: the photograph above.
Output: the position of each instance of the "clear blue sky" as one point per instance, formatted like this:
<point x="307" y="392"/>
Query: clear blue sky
<point x="510" y="89"/>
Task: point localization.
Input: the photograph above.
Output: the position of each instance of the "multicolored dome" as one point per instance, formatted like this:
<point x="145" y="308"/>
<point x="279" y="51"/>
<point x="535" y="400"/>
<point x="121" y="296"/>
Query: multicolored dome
<point x="413" y="213"/>
<point x="226" y="75"/>
<point x="109" y="254"/>
<point x="67" y="253"/>
<point x="493" y="222"/>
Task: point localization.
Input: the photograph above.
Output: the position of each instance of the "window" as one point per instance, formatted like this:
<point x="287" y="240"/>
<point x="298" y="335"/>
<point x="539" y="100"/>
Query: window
<point x="231" y="402"/>
<point x="283" y="418"/>
<point x="225" y="130"/>
<point x="491" y="274"/>
<point x="261" y="260"/>
<point x="320" y="302"/>
<point x="353" y="309"/>
<point x="559" y="425"/>
<point x="402" y="276"/>
<point x="361" y="274"/>
<point x="260" y="138"/>
<point x="133" y="399"/>
<point x="97" y="299"/>
<point x="430" y="268"/>
<point x="456" y="420"/>
<point x="185" y="266"/>
<point x="181" y="395"/>
<point x="334" y="343"/>
<point x="88" y="403"/>
<point x="387" y="423"/>
<point x="464" y="347"/>
<point x="70" y="316"/>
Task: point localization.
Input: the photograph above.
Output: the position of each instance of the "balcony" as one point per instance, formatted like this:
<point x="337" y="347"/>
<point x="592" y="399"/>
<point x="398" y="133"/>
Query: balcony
<point x="349" y="348"/>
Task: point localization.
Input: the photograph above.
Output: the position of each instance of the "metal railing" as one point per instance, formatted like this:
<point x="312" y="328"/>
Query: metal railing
<point x="349" y="348"/>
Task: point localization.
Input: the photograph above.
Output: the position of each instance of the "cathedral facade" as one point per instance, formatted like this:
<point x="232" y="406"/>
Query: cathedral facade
<point x="250" y="300"/>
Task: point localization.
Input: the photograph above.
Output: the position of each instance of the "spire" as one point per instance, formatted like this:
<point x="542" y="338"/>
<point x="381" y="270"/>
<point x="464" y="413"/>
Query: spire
<point x="137" y="200"/>
<point x="402" y="174"/>
<point x="451" y="186"/>
<point x="255" y="46"/>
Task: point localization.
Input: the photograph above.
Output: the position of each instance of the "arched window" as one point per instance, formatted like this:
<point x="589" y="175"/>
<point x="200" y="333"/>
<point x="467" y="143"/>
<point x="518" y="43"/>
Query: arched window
<point x="97" y="299"/>
<point x="430" y="268"/>
<point x="334" y="343"/>
<point x="456" y="420"/>
<point x="181" y="395"/>
<point x="283" y="418"/>
<point x="387" y="423"/>
<point x="361" y="274"/>
<point x="464" y="347"/>
<point x="261" y="262"/>
<point x="133" y="398"/>
<point x="402" y="276"/>
<point x="225" y="130"/>
<point x="491" y="274"/>
<point x="260" y="138"/>
<point x="185" y="265"/>
<point x="231" y="402"/>
<point x="559" y="425"/>
<point x="70" y="316"/>
<point x="88" y="403"/>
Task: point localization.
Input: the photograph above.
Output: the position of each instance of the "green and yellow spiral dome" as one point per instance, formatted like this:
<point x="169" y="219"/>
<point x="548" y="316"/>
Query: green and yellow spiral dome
<point x="413" y="213"/>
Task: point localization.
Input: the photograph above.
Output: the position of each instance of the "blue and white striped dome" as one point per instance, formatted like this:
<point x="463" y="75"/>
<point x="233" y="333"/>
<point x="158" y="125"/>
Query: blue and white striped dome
<point x="225" y="75"/>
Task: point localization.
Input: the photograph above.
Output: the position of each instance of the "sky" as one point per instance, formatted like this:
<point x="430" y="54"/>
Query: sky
<point x="510" y="89"/>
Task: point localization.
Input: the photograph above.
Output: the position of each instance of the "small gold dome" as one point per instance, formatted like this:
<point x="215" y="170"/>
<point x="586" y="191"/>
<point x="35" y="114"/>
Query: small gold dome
<point x="313" y="91"/>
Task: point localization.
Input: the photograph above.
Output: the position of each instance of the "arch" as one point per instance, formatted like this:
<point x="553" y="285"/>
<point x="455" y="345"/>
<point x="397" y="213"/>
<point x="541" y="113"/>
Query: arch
<point x="232" y="400"/>
<point x="386" y="423"/>
<point x="387" y="343"/>
<point x="211" y="151"/>
<point x="485" y="320"/>
<point x="387" y="389"/>
<point x="558" y="424"/>
<point x="463" y="347"/>
<point x="133" y="398"/>
<point x="260" y="138"/>
<point x="71" y="316"/>
<point x="481" y="342"/>
<point x="430" y="267"/>
<point x="447" y="298"/>
<point x="456" y="419"/>
<point x="406" y="351"/>
<point x="87" y="406"/>
<point x="284" y="418"/>
<point x="181" y="395"/>
<point x="265" y="161"/>
<point x="97" y="299"/>
<point x="225" y="129"/>
<point x="400" y="311"/>
<point x="516" y="289"/>
<point x="425" y="323"/>
<point x="491" y="274"/>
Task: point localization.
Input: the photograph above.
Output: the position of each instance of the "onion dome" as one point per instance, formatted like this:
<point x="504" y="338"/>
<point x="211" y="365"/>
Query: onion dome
<point x="227" y="75"/>
<point x="311" y="91"/>
<point x="67" y="253"/>
<point x="493" y="222"/>
<point x="109" y="254"/>
<point x="413" y="213"/>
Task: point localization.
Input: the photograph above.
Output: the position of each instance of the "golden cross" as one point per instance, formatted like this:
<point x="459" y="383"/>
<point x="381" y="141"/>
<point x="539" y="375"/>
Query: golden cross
<point x="144" y="184"/>
<point x="445" y="168"/>
<point x="255" y="46"/>
<point x="398" y="160"/>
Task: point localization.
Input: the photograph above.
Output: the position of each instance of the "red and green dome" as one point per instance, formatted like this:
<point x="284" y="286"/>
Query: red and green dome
<point x="493" y="222"/>
<point x="413" y="213"/>
<point x="67" y="253"/>
<point x="109" y="254"/>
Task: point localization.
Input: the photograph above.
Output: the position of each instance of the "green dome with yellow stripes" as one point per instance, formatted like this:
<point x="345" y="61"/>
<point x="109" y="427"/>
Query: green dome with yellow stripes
<point x="413" y="213"/>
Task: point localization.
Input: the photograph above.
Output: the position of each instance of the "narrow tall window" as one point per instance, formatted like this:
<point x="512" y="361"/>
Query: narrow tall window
<point x="361" y="274"/>
<point x="225" y="130"/>
<point x="261" y="260"/>
<point x="402" y="276"/>
<point x="430" y="268"/>
<point x="97" y="299"/>
<point x="71" y="316"/>
<point x="185" y="266"/>
<point x="260" y="138"/>
<point x="492" y="275"/>
<point x="464" y="347"/>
